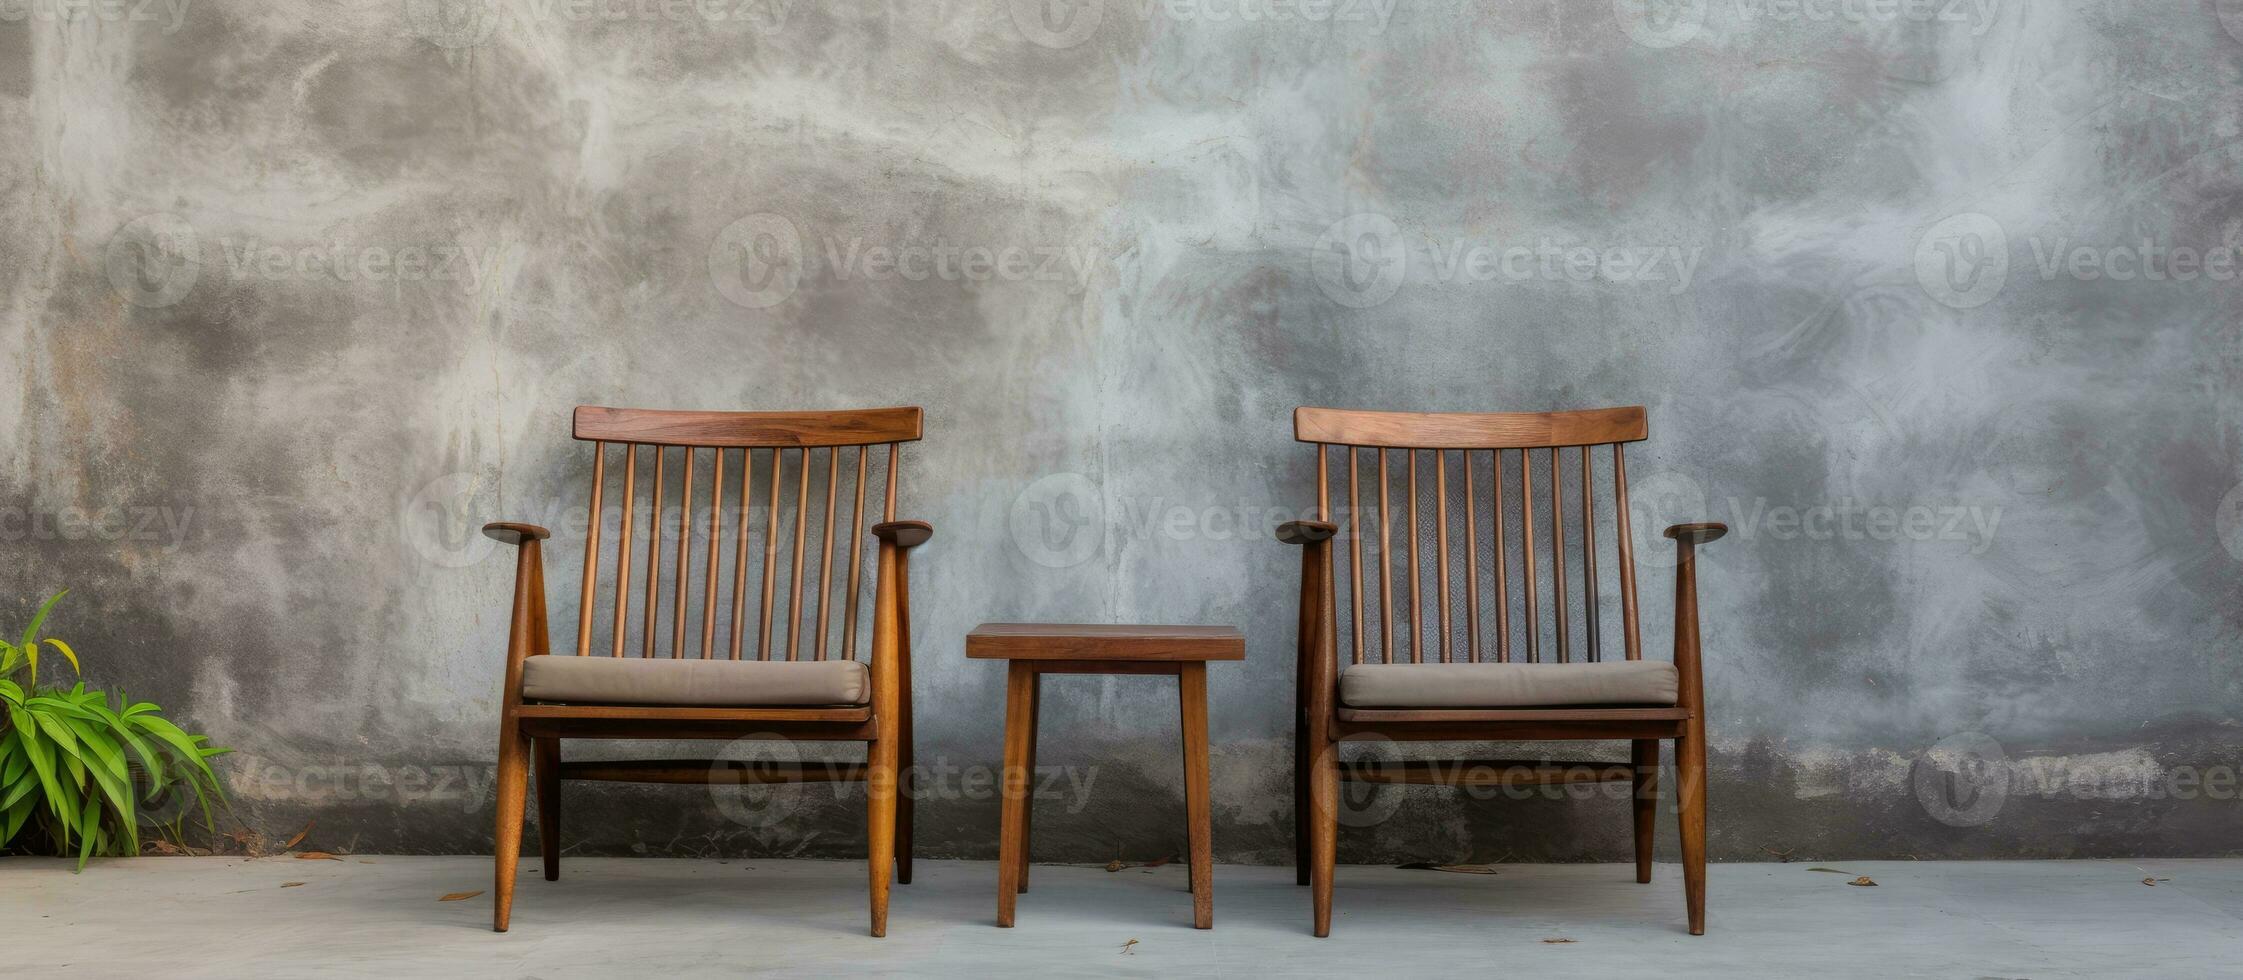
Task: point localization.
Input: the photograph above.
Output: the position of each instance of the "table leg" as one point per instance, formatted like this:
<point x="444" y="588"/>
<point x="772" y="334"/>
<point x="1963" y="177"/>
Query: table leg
<point x="1012" y="839"/>
<point x="1192" y="682"/>
<point x="1028" y="807"/>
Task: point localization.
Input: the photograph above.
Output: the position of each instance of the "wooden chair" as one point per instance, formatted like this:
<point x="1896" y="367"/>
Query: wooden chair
<point x="699" y="673"/>
<point x="1398" y="683"/>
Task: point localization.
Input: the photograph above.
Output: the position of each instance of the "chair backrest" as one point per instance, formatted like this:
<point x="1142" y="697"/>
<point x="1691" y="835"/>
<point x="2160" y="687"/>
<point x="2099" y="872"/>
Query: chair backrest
<point x="1377" y="439"/>
<point x="775" y="449"/>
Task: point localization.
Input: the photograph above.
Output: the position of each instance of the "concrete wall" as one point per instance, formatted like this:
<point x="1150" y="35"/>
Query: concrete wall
<point x="296" y="295"/>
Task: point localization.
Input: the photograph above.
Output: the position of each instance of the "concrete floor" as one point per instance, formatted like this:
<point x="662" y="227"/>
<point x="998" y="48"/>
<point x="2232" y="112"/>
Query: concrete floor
<point x="381" y="917"/>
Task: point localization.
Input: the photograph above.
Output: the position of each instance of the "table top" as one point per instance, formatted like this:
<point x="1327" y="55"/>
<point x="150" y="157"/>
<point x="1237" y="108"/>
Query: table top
<point x="1084" y="641"/>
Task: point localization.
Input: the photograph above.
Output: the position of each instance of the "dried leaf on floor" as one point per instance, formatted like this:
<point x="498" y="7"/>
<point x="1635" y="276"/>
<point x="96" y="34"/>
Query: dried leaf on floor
<point x="1834" y="871"/>
<point x="459" y="896"/>
<point x="1864" y="881"/>
<point x="2152" y="882"/>
<point x="1461" y="869"/>
<point x="163" y="847"/>
<point x="1554" y="942"/>
<point x="316" y="856"/>
<point x="1115" y="865"/>
<point x="1157" y="862"/>
<point x="1126" y="950"/>
<point x="299" y="838"/>
<point x="290" y="884"/>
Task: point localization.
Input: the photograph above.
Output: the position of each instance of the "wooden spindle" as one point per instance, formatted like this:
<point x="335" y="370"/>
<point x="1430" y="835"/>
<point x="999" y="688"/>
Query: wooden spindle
<point x="1589" y="551"/>
<point x="1441" y="545"/>
<point x="1417" y="628"/>
<point x="1471" y="566"/>
<point x="623" y="555"/>
<point x="740" y="553"/>
<point x="653" y="554"/>
<point x="1323" y="483"/>
<point x="685" y="552"/>
<point x="1627" y="554"/>
<point x="592" y="553"/>
<point x="895" y="451"/>
<point x="794" y="576"/>
<point x="770" y="557"/>
<point x="1526" y="528"/>
<point x="856" y="534"/>
<point x="1502" y="566"/>
<point x="1557" y="549"/>
<point x="1355" y="545"/>
<point x="825" y="560"/>
<point x="1386" y="559"/>
<point x="716" y="525"/>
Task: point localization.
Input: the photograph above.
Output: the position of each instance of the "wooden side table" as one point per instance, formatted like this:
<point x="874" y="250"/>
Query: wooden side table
<point x="1035" y="650"/>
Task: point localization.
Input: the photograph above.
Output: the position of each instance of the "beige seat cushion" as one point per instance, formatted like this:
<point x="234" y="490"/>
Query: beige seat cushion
<point x="1507" y="685"/>
<point x="707" y="683"/>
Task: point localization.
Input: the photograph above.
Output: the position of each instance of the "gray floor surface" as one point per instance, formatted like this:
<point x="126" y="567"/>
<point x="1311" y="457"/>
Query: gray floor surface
<point x="374" y="916"/>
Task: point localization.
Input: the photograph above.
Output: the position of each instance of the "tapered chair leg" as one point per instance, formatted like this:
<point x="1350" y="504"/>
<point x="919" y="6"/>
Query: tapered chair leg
<point x="1690" y="803"/>
<point x="908" y="784"/>
<point x="1644" y="755"/>
<point x="513" y="787"/>
<point x="1324" y="832"/>
<point x="1028" y="809"/>
<point x="880" y="793"/>
<point x="1300" y="800"/>
<point x="549" y="806"/>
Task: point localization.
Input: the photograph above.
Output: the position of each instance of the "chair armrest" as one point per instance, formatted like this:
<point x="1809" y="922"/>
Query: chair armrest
<point x="1697" y="533"/>
<point x="514" y="533"/>
<point x="1305" y="532"/>
<point x="904" y="534"/>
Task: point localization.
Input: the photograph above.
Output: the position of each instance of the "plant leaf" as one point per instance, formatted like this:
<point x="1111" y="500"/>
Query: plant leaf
<point x="67" y="654"/>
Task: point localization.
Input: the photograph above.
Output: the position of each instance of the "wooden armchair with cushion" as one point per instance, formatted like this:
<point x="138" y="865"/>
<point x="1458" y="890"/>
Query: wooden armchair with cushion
<point x="672" y="655"/>
<point x="1392" y="668"/>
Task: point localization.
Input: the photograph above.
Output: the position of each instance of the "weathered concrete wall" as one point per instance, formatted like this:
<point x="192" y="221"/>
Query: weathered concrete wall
<point x="298" y="294"/>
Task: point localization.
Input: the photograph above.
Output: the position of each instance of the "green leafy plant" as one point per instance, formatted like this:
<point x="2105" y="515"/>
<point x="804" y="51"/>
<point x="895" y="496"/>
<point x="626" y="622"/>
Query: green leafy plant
<point x="88" y="771"/>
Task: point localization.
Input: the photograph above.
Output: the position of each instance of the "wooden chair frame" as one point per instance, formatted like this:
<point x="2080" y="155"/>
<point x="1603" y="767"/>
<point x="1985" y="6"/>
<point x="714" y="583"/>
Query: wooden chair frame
<point x="1322" y="722"/>
<point x="530" y="733"/>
